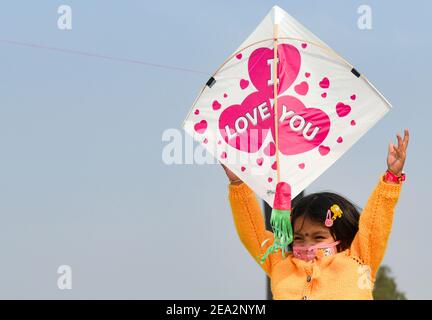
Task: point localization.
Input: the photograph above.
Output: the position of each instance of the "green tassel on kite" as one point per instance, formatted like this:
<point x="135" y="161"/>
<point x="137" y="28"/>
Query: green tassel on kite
<point x="280" y="221"/>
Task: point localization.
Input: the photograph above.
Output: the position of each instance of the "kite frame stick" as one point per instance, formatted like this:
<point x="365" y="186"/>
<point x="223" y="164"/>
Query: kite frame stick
<point x="275" y="95"/>
<point x="325" y="48"/>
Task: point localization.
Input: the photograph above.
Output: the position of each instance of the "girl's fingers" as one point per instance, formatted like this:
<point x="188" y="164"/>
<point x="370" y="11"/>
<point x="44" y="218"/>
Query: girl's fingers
<point x="399" y="139"/>
<point x="391" y="146"/>
<point x="400" y="153"/>
<point x="227" y="171"/>
<point x="406" y="138"/>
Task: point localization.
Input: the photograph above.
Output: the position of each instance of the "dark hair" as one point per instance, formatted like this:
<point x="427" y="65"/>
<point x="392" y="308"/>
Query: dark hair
<point x="314" y="207"/>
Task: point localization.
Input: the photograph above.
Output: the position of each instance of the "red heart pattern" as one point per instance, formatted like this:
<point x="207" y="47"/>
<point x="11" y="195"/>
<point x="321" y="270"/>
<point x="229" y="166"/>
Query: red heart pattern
<point x="245" y="126"/>
<point x="303" y="123"/>
<point x="260" y="67"/>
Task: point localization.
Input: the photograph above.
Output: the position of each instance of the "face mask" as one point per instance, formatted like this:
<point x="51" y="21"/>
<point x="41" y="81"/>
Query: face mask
<point x="308" y="253"/>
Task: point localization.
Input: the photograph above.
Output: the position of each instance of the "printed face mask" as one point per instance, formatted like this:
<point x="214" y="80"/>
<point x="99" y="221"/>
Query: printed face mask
<point x="308" y="253"/>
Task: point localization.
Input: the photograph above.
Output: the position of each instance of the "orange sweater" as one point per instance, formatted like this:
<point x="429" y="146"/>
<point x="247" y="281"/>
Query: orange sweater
<point x="346" y="275"/>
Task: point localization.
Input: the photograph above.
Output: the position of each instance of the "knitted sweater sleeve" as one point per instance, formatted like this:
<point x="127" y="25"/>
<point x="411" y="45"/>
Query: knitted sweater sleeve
<point x="375" y="225"/>
<point x="250" y="225"/>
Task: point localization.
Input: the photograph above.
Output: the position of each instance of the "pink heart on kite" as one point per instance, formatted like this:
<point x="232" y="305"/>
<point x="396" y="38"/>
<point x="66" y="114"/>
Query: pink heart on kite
<point x="260" y="66"/>
<point x="201" y="126"/>
<point x="342" y="109"/>
<point x="324" y="83"/>
<point x="244" y="126"/>
<point x="302" y="88"/>
<point x="244" y="84"/>
<point x="216" y="105"/>
<point x="324" y="150"/>
<point x="300" y="129"/>
<point x="260" y="161"/>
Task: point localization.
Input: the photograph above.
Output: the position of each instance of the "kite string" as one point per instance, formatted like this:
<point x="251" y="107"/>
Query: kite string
<point x="275" y="96"/>
<point x="99" y="56"/>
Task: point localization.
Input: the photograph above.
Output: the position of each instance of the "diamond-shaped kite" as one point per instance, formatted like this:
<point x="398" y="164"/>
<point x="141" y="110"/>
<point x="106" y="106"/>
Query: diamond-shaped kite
<point x="281" y="110"/>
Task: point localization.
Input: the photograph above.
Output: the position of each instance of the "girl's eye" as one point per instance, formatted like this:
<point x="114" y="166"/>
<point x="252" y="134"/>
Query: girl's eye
<point x="297" y="238"/>
<point x="319" y="238"/>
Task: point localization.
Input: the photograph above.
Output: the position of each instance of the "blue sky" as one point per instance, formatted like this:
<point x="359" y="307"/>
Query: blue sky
<point x="82" y="181"/>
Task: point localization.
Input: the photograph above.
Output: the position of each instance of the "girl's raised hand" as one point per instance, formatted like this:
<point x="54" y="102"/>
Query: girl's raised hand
<point x="397" y="154"/>
<point x="231" y="175"/>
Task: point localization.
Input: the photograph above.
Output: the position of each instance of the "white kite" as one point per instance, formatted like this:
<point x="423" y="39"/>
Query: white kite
<point x="281" y="110"/>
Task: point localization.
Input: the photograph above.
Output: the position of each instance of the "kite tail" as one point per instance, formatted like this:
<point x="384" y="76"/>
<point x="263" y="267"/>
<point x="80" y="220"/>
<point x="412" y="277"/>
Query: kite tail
<point x="281" y="224"/>
<point x="280" y="221"/>
<point x="283" y="234"/>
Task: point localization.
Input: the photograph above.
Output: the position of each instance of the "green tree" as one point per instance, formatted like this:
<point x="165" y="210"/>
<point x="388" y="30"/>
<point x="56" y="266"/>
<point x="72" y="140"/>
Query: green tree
<point x="385" y="286"/>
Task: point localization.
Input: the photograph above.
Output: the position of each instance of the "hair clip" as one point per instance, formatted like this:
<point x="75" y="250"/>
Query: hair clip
<point x="337" y="213"/>
<point x="328" y="221"/>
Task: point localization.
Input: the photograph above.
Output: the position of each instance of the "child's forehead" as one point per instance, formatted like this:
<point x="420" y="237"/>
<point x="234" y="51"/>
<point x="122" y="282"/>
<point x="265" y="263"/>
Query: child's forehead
<point x="303" y="225"/>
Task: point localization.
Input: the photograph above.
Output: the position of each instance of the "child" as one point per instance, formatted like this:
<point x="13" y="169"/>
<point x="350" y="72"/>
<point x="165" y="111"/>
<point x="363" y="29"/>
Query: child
<point x="336" y="251"/>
